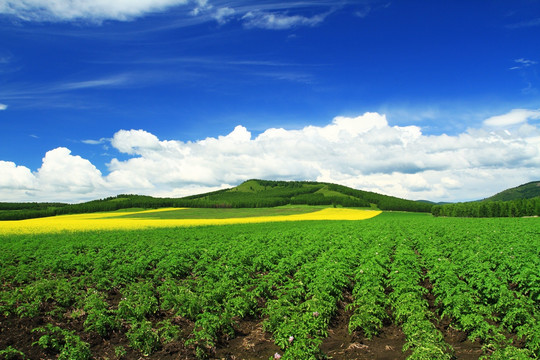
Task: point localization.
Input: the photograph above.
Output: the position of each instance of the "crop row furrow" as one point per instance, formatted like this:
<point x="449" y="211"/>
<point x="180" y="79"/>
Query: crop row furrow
<point x="411" y="310"/>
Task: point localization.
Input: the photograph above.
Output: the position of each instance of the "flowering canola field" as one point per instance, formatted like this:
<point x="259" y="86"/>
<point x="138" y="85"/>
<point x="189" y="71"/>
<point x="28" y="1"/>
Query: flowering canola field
<point x="122" y="221"/>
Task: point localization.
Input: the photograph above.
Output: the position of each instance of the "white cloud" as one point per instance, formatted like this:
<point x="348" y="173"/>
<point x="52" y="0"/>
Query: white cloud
<point x="364" y="152"/>
<point x="200" y="7"/>
<point x="516" y="116"/>
<point x="104" y="82"/>
<point x="97" y="10"/>
<point x="95" y="142"/>
<point x="273" y="21"/>
<point x="362" y="13"/>
<point x="15" y="177"/>
<point x="3" y="107"/>
<point x="62" y="172"/>
<point x="135" y="141"/>
<point x="266" y="15"/>
<point x="222" y="15"/>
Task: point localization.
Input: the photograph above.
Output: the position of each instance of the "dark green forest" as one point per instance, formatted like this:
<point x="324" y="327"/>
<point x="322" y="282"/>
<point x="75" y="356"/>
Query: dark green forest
<point x="522" y="200"/>
<point x="486" y="208"/>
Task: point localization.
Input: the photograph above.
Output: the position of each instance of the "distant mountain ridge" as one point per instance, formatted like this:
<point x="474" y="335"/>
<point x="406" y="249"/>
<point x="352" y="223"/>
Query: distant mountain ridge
<point x="526" y="191"/>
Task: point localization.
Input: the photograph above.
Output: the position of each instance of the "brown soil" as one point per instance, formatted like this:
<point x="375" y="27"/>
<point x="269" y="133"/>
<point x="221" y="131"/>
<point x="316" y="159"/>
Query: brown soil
<point x="251" y="341"/>
<point x="464" y="349"/>
<point x="340" y="345"/>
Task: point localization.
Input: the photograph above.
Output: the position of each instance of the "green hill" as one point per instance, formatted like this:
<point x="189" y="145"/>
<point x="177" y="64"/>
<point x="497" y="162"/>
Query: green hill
<point x="266" y="193"/>
<point x="250" y="194"/>
<point x="525" y="191"/>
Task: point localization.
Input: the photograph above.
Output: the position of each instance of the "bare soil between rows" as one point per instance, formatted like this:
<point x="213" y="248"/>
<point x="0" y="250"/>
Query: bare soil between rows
<point x="250" y="343"/>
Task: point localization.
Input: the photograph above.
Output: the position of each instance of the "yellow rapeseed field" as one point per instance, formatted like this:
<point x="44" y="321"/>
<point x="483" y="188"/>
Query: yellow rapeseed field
<point x="121" y="220"/>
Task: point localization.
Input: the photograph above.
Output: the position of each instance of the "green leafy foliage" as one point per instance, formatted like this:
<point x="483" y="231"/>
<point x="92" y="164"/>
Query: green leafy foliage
<point x="143" y="337"/>
<point x="68" y="345"/>
<point x="139" y="301"/>
<point x="10" y="353"/>
<point x="99" y="318"/>
<point x="480" y="275"/>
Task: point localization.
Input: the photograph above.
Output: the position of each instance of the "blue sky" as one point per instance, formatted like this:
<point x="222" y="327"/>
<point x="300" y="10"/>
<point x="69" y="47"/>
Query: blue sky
<point x="419" y="99"/>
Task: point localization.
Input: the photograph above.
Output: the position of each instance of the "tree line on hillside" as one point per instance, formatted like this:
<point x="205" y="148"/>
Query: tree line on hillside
<point x="257" y="194"/>
<point x="513" y="208"/>
<point x="29" y="206"/>
<point x="384" y="202"/>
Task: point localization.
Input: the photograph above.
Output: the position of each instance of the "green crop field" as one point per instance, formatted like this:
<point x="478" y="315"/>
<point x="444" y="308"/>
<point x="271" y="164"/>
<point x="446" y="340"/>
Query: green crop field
<point x="397" y="286"/>
<point x="212" y="213"/>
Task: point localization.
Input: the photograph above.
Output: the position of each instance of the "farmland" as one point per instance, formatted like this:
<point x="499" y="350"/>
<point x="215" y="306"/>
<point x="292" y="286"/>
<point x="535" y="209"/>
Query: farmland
<point x="170" y="217"/>
<point x="395" y="286"/>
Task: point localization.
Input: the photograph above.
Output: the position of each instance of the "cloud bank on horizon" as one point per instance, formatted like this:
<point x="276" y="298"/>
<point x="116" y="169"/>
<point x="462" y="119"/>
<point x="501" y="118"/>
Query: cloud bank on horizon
<point x="363" y="152"/>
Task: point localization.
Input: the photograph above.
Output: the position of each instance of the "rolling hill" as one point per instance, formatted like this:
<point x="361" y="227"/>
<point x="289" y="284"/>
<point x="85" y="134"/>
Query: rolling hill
<point x="525" y="191"/>
<point x="266" y="193"/>
<point x="250" y="194"/>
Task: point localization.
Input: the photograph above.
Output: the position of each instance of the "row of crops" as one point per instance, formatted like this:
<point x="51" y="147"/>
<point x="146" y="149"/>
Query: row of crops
<point x="126" y="294"/>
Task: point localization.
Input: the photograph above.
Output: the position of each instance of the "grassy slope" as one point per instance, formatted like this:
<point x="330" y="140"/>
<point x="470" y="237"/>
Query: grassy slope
<point x="326" y="192"/>
<point x="211" y="213"/>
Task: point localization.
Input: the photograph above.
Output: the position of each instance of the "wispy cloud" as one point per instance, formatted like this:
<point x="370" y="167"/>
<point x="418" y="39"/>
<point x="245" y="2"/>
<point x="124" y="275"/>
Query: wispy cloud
<point x="97" y="83"/>
<point x="200" y="65"/>
<point x="265" y="14"/>
<point x="3" y="107"/>
<point x="514" y="117"/>
<point x="274" y="21"/>
<point x="523" y="63"/>
<point x="362" y="13"/>
<point x="292" y="76"/>
<point x="96" y="142"/>
<point x="224" y="14"/>
<point x="64" y="94"/>
<point x="89" y="10"/>
<point x="525" y="24"/>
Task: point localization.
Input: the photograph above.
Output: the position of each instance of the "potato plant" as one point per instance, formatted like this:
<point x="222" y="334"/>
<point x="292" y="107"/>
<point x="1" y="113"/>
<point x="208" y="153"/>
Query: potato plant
<point x="193" y="288"/>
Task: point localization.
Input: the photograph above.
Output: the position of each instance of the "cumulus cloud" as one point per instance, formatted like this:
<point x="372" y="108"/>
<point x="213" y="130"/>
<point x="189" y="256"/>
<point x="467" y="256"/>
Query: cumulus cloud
<point x="47" y="10"/>
<point x="363" y="152"/>
<point x="15" y="177"/>
<point x="62" y="172"/>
